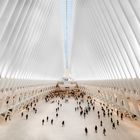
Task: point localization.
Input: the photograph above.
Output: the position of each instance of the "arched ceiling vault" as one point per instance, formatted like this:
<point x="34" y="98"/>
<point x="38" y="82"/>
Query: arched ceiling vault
<point x="96" y="40"/>
<point x="106" y="42"/>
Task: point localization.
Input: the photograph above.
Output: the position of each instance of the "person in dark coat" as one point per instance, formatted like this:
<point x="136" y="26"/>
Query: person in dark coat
<point x="86" y="130"/>
<point x="101" y="123"/>
<point x="104" y="132"/>
<point x="63" y="123"/>
<point x="56" y="114"/>
<point x="22" y="114"/>
<point x="51" y="121"/>
<point x="43" y="122"/>
<point x="121" y="116"/>
<point x="47" y="118"/>
<point x="113" y="126"/>
<point x="96" y="128"/>
<point x="111" y="120"/>
<point x="26" y="116"/>
<point x="84" y="114"/>
<point x="117" y="122"/>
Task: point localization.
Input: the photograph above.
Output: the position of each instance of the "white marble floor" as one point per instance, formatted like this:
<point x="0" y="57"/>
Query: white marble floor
<point x="32" y="129"/>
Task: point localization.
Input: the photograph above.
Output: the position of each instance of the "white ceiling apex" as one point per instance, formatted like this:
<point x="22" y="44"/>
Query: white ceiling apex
<point x="85" y="40"/>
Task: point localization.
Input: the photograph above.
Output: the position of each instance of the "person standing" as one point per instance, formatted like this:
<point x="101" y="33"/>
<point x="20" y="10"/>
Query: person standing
<point x="117" y="113"/>
<point x="98" y="116"/>
<point x="52" y="121"/>
<point x="113" y="126"/>
<point x="96" y="128"/>
<point x="117" y="122"/>
<point x="101" y="123"/>
<point x="121" y="116"/>
<point x="26" y="116"/>
<point x="47" y="118"/>
<point x="84" y="115"/>
<point x="63" y="123"/>
<point x="104" y="132"/>
<point x="56" y="114"/>
<point x="43" y="122"/>
<point x="111" y="120"/>
<point x="86" y="130"/>
<point x="22" y="114"/>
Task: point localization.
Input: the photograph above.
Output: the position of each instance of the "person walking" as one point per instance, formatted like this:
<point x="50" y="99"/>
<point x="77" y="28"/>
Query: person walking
<point x="101" y="123"/>
<point x="52" y="121"/>
<point x="56" y="114"/>
<point x="113" y="126"/>
<point x="111" y="120"/>
<point x="96" y="128"/>
<point x="104" y="132"/>
<point x="22" y="114"/>
<point x="84" y="115"/>
<point x="63" y="123"/>
<point x="98" y="116"/>
<point x="117" y="122"/>
<point x="43" y="122"/>
<point x="86" y="130"/>
<point x="47" y="118"/>
<point x="26" y="116"/>
<point x="121" y="116"/>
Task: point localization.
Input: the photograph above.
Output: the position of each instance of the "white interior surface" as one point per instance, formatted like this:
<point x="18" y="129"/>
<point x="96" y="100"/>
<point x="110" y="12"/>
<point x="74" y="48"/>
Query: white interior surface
<point x="32" y="129"/>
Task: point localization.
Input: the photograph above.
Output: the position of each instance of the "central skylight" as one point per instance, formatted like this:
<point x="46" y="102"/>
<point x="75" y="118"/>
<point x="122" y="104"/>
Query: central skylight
<point x="67" y="17"/>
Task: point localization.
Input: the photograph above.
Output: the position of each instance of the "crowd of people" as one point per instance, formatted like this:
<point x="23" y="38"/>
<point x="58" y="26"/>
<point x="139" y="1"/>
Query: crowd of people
<point x="30" y="106"/>
<point x="105" y="111"/>
<point x="85" y="105"/>
<point x="51" y="120"/>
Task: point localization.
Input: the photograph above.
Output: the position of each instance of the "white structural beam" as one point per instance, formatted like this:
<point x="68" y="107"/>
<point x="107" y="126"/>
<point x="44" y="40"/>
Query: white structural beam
<point x="31" y="41"/>
<point x="105" y="45"/>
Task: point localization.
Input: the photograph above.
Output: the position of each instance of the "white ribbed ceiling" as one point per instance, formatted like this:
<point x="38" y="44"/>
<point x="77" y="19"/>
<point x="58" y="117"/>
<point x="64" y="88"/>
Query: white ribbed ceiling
<point x="31" y="39"/>
<point x="100" y="39"/>
<point x="106" y="39"/>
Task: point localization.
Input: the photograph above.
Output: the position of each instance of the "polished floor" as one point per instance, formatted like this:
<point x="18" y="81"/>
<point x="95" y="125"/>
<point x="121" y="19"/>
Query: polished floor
<point x="32" y="129"/>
